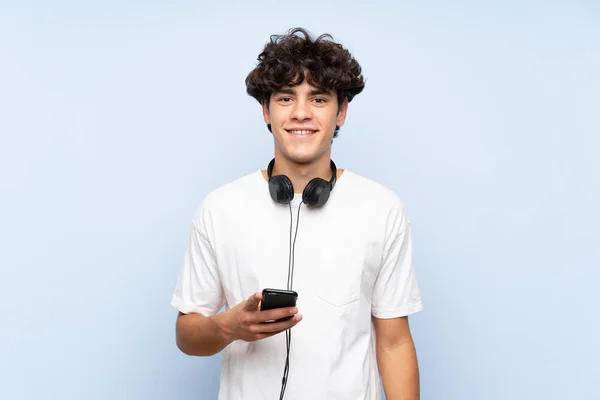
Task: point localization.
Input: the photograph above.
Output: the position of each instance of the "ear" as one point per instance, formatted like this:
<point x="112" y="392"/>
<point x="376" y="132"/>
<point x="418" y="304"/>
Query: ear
<point x="341" y="116"/>
<point x="265" y="111"/>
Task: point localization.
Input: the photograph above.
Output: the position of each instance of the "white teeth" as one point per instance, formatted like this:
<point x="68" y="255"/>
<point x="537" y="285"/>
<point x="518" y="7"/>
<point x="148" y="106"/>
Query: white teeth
<point x="303" y="132"/>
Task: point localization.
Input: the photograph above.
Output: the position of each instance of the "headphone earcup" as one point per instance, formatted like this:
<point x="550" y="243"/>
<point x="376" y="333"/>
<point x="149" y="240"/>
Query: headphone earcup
<point x="316" y="193"/>
<point x="281" y="189"/>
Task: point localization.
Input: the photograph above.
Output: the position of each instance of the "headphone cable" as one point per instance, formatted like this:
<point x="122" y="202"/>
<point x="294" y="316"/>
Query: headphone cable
<point x="291" y="269"/>
<point x="288" y="333"/>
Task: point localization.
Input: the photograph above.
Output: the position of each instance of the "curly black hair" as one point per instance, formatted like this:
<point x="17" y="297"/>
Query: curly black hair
<point x="290" y="59"/>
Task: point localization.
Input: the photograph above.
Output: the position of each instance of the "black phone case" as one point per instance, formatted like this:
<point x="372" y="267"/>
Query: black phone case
<point x="278" y="298"/>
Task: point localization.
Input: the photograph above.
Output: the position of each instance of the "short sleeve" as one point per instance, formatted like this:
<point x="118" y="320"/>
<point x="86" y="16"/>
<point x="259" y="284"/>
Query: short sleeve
<point x="198" y="288"/>
<point x="396" y="292"/>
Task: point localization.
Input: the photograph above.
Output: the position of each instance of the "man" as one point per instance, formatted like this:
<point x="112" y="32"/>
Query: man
<point x="349" y="258"/>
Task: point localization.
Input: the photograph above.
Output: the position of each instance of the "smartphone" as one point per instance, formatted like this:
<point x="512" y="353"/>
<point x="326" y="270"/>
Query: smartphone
<point x="278" y="298"/>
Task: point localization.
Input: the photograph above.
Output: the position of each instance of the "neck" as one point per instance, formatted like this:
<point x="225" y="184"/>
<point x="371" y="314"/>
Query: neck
<point x="300" y="174"/>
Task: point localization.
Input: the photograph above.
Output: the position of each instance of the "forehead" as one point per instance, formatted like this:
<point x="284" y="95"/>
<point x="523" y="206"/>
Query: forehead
<point x="304" y="87"/>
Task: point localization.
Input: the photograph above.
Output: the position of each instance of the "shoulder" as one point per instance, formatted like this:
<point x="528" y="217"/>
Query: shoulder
<point x="231" y="194"/>
<point x="373" y="193"/>
<point x="378" y="204"/>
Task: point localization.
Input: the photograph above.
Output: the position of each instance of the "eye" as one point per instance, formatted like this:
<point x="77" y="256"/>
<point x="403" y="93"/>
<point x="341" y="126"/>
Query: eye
<point x="321" y="100"/>
<point x="285" y="99"/>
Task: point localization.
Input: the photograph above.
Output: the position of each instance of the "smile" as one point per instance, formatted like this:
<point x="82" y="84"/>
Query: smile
<point x="300" y="132"/>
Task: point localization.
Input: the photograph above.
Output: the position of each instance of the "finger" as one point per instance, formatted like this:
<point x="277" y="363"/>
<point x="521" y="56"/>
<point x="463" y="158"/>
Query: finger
<point x="253" y="301"/>
<point x="261" y="336"/>
<point x="276" y="313"/>
<point x="280" y="326"/>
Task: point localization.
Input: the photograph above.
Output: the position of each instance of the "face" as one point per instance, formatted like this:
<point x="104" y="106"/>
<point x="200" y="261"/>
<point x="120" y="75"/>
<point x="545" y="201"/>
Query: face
<point x="303" y="120"/>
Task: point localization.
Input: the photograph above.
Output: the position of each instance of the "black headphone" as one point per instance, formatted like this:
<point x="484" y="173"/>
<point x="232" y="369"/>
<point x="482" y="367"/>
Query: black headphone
<point x="315" y="194"/>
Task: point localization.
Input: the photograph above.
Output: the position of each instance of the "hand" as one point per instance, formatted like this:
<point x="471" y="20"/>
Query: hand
<point x="246" y="322"/>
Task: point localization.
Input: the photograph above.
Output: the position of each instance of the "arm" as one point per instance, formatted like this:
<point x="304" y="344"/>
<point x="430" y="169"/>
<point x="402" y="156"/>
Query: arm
<point x="397" y="359"/>
<point x="396" y="295"/>
<point x="199" y="335"/>
<point x="198" y="293"/>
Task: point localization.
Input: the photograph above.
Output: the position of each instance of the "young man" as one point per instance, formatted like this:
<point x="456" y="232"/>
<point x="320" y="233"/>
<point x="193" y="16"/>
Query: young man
<point x="340" y="240"/>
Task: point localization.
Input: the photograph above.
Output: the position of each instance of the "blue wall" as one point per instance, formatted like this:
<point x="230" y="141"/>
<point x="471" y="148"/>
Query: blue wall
<point x="116" y="118"/>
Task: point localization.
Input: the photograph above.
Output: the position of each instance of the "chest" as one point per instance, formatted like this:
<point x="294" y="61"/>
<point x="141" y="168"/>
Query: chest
<point x="327" y="257"/>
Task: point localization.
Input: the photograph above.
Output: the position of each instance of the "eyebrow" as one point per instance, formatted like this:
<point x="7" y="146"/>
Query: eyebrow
<point x="313" y="92"/>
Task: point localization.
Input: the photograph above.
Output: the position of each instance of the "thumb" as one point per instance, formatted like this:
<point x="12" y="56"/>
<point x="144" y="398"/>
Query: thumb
<point x="253" y="301"/>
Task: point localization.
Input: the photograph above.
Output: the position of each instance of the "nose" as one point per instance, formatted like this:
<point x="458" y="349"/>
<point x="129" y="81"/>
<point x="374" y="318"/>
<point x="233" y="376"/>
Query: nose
<point x="301" y="111"/>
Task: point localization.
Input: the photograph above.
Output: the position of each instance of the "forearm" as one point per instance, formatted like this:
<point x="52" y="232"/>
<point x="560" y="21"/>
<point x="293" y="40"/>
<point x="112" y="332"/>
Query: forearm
<point x="198" y="335"/>
<point x="399" y="371"/>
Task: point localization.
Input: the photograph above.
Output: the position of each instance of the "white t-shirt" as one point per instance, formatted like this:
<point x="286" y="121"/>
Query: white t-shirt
<point x="353" y="259"/>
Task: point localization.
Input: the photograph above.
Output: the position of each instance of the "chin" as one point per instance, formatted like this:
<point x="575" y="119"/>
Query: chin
<point x="302" y="158"/>
<point x="303" y="154"/>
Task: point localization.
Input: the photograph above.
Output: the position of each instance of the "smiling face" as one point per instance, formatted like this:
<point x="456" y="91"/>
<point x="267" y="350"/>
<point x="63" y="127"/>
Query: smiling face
<point x="303" y="120"/>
